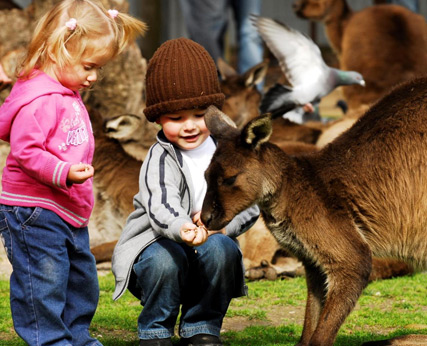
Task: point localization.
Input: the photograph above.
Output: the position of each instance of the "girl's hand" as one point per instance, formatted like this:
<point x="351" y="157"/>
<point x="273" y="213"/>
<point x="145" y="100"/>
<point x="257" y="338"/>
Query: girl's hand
<point x="79" y="173"/>
<point x="198" y="222"/>
<point x="193" y="235"/>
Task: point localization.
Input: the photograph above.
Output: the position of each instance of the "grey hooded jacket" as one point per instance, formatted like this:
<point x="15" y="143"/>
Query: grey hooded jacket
<point x="162" y="205"/>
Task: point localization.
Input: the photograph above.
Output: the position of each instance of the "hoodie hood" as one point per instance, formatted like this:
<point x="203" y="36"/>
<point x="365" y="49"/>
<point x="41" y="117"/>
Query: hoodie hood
<point x="23" y="93"/>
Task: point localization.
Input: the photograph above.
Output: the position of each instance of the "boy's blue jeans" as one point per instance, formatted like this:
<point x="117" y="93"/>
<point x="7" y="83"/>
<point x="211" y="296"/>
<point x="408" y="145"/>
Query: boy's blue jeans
<point x="203" y="279"/>
<point x="54" y="286"/>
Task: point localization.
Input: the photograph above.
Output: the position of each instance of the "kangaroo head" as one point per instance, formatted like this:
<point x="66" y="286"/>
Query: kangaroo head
<point x="242" y="98"/>
<point x="234" y="176"/>
<point x="314" y="9"/>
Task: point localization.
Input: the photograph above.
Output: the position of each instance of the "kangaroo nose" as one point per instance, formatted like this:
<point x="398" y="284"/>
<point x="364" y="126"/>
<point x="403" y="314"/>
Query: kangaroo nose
<point x="206" y="218"/>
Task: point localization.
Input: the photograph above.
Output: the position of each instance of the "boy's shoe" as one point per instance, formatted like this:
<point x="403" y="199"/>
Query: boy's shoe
<point x="155" y="342"/>
<point x="201" y="340"/>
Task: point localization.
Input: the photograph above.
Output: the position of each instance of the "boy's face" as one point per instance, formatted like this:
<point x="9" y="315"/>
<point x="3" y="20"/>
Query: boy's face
<point x="186" y="129"/>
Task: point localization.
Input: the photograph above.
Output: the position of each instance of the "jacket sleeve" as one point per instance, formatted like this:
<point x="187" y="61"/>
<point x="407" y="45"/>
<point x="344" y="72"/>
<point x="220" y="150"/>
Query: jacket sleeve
<point x="161" y="191"/>
<point x="29" y="138"/>
<point x="243" y="221"/>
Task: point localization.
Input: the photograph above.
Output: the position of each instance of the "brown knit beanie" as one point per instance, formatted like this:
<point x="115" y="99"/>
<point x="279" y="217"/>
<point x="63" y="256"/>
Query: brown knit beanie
<point x="181" y="75"/>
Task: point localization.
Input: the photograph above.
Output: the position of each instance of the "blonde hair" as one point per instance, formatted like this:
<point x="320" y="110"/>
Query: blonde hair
<point x="95" y="29"/>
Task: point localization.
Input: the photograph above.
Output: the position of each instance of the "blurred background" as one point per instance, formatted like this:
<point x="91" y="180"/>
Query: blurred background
<point x="165" y="20"/>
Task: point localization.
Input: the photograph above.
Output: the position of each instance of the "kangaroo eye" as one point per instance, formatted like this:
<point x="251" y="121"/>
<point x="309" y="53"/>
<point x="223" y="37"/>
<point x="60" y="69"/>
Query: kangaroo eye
<point x="229" y="181"/>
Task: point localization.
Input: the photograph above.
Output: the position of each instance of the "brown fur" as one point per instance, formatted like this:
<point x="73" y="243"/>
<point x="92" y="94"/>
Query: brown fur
<point x="103" y="252"/>
<point x="334" y="128"/>
<point x="259" y="245"/>
<point x="115" y="184"/>
<point x="286" y="130"/>
<point x="118" y="165"/>
<point x="363" y="194"/>
<point x="387" y="44"/>
<point x="134" y="133"/>
<point x="242" y="98"/>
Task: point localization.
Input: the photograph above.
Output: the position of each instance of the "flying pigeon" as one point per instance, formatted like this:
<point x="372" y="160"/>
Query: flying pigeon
<point x="302" y="63"/>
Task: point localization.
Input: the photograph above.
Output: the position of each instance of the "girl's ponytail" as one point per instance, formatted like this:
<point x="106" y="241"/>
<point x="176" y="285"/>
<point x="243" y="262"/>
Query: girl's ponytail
<point x="128" y="27"/>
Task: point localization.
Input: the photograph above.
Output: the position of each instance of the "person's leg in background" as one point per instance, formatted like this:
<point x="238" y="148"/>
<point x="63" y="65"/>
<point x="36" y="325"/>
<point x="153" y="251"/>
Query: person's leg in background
<point x="250" y="48"/>
<point x="412" y="5"/>
<point x="206" y="23"/>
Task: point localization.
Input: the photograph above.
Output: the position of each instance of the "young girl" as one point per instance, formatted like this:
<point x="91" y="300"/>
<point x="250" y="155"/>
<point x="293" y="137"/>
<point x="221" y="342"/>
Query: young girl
<point x="47" y="196"/>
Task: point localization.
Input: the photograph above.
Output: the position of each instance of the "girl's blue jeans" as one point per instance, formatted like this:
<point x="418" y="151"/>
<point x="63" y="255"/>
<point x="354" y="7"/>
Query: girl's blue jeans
<point x="202" y="279"/>
<point x="54" y="286"/>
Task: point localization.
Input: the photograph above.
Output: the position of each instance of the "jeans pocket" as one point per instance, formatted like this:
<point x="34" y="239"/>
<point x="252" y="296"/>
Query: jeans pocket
<point x="27" y="216"/>
<point x="5" y="236"/>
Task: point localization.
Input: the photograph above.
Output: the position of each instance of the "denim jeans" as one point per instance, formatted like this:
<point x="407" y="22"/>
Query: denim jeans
<point x="54" y="286"/>
<point x="207" y="22"/>
<point x="412" y="5"/>
<point x="203" y="279"/>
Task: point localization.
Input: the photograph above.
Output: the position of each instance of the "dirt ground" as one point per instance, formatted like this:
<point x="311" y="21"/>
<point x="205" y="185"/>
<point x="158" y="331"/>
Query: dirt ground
<point x="278" y="315"/>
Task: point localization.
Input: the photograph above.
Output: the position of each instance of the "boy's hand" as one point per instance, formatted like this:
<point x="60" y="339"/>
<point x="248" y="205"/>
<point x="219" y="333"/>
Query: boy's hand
<point x="197" y="220"/>
<point x="193" y="235"/>
<point x="79" y="173"/>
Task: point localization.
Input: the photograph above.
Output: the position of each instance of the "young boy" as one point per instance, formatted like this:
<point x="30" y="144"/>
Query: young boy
<point x="165" y="256"/>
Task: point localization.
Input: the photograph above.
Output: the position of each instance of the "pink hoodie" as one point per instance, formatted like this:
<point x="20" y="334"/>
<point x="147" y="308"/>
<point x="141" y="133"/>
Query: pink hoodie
<point x="49" y="129"/>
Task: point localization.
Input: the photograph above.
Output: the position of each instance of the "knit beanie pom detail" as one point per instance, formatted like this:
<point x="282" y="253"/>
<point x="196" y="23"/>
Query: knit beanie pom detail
<point x="181" y="75"/>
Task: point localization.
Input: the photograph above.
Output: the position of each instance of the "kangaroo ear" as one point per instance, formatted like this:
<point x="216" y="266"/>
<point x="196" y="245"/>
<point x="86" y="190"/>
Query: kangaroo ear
<point x="219" y="124"/>
<point x="257" y="131"/>
<point x="225" y="70"/>
<point x="256" y="74"/>
<point x="122" y="126"/>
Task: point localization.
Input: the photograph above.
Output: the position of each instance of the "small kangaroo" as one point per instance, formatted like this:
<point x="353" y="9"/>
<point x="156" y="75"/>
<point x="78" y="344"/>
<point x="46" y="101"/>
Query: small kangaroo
<point x="363" y="194"/>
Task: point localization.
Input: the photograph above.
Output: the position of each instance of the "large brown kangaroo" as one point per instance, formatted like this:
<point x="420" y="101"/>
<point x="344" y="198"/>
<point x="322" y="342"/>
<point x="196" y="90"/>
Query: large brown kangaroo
<point x="363" y="194"/>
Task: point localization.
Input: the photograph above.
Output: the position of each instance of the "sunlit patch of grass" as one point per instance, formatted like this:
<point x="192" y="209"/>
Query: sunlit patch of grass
<point x="386" y="309"/>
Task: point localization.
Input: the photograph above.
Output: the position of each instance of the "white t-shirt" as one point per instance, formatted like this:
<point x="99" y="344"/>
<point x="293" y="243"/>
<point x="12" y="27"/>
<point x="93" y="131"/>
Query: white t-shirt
<point x="198" y="160"/>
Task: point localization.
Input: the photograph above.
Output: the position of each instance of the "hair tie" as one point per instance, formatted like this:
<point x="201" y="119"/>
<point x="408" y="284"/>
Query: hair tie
<point x="113" y="13"/>
<point x="71" y="24"/>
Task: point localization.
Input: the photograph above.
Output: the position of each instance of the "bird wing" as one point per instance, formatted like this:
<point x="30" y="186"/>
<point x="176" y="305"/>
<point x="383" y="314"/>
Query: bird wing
<point x="299" y="57"/>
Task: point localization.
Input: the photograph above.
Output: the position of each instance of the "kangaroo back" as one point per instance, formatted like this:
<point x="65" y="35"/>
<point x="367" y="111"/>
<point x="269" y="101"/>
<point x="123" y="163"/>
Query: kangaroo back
<point x="379" y="170"/>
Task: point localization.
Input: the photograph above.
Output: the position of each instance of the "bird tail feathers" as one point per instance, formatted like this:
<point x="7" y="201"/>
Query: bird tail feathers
<point x="277" y="101"/>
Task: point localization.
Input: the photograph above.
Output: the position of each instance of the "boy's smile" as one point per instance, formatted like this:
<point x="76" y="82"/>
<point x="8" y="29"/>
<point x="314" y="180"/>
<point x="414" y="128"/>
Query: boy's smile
<point x="191" y="138"/>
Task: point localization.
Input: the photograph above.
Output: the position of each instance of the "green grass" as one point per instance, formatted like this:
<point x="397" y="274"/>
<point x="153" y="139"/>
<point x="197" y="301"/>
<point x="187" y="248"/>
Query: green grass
<point x="272" y="312"/>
